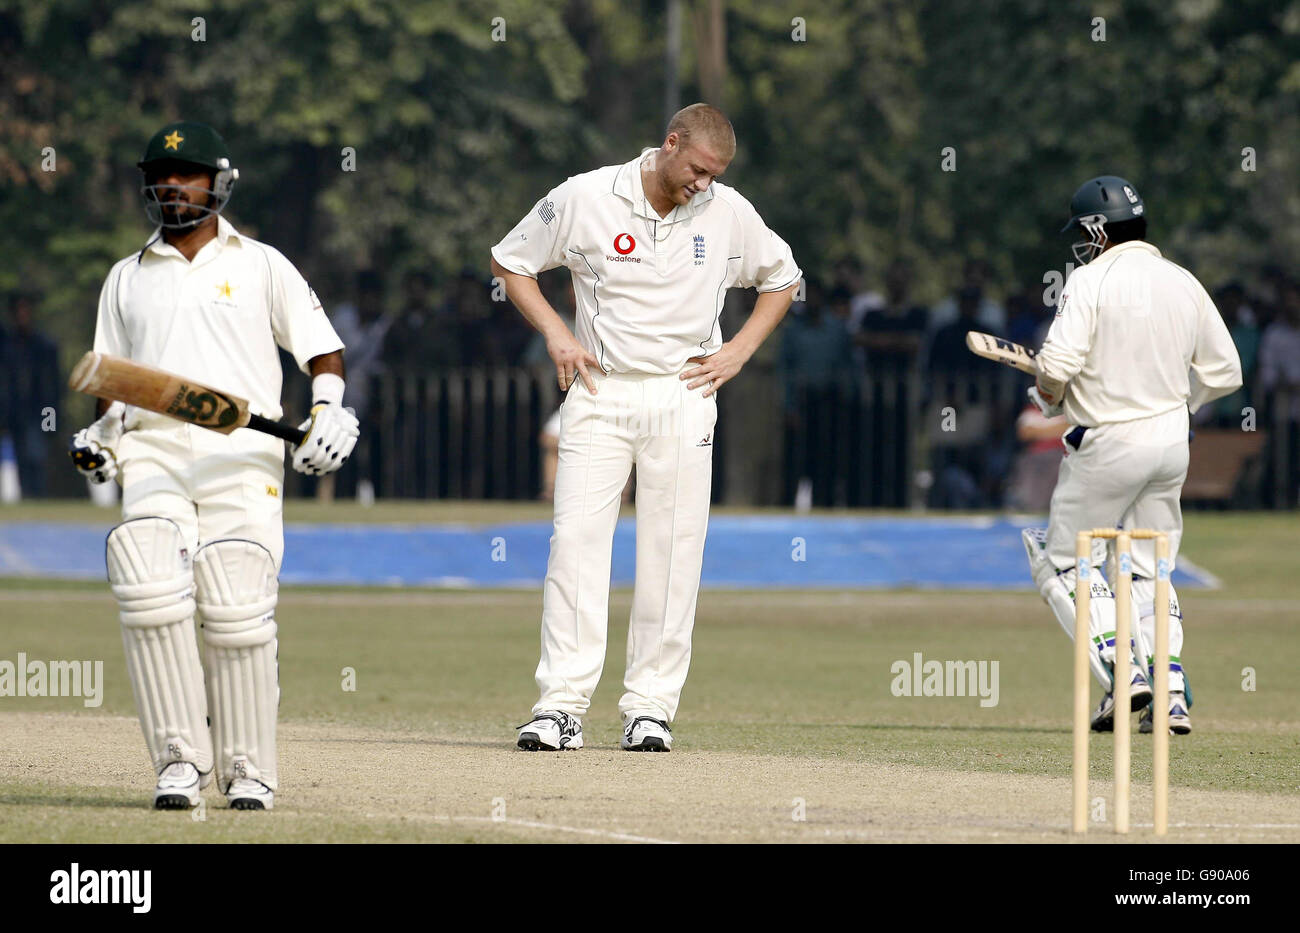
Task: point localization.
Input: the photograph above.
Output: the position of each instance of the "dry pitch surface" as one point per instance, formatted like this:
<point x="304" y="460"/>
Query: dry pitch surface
<point x="788" y="713"/>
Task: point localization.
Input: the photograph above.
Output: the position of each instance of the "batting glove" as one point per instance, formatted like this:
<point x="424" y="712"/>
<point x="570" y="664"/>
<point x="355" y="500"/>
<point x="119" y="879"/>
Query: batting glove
<point x="93" y="449"/>
<point x="1049" y="409"/>
<point x="332" y="432"/>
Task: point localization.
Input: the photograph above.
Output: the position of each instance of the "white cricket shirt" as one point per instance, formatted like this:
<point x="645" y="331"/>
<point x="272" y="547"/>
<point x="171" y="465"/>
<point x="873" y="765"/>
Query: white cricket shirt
<point x="216" y="320"/>
<point x="1136" y="335"/>
<point x="649" y="289"/>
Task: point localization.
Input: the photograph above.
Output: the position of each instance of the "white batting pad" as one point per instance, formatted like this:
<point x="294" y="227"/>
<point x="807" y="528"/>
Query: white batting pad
<point x="149" y="570"/>
<point x="237" y="587"/>
<point x="1144" y="597"/>
<point x="1058" y="592"/>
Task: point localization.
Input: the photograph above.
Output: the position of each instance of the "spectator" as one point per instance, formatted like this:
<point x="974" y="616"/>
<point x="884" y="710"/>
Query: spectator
<point x="413" y="342"/>
<point x="1279" y="384"/>
<point x="963" y="460"/>
<point x="850" y="275"/>
<point x="991" y="317"/>
<point x="1240" y="318"/>
<point x="477" y="327"/>
<point x="1273" y="282"/>
<point x="1033" y="477"/>
<point x="817" y="367"/>
<point x="1027" y="319"/>
<point x="1279" y="349"/>
<point x="815" y="347"/>
<point x="892" y="334"/>
<point x="33" y="391"/>
<point x="363" y="327"/>
<point x="948" y="352"/>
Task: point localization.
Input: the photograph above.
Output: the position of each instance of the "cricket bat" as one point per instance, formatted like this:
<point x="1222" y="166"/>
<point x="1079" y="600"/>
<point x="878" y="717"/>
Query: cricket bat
<point x="1002" y="351"/>
<point x="112" y="377"/>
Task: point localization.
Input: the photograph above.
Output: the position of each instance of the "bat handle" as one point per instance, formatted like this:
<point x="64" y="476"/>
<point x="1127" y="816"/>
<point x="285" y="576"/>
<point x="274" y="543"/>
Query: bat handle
<point x="278" y="429"/>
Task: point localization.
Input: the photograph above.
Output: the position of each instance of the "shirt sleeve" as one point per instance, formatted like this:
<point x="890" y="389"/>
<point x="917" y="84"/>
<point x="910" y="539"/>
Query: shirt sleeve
<point x="297" y="319"/>
<point x="1216" y="366"/>
<point x="110" y="333"/>
<point x="766" y="263"/>
<point x="1069" y="339"/>
<point x="538" y="241"/>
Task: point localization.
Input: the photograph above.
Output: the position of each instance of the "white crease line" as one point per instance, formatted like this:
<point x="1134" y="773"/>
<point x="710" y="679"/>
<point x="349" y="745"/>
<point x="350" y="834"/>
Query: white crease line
<point x="532" y="824"/>
<point x="555" y="827"/>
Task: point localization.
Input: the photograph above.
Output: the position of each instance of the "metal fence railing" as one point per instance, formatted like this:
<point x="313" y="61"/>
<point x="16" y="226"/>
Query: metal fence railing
<point x="891" y="438"/>
<point x="886" y="438"/>
<point x="457" y="434"/>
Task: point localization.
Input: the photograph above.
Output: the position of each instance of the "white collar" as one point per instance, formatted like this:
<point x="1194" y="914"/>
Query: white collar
<point x="627" y="185"/>
<point x="1128" y="246"/>
<point x="160" y="247"/>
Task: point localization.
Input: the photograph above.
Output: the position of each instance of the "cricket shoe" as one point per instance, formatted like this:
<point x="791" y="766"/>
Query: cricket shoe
<point x="647" y="734"/>
<point x="1103" y="720"/>
<point x="178" y="787"/>
<point x="551" y="731"/>
<point x="1180" y="722"/>
<point x="248" y="794"/>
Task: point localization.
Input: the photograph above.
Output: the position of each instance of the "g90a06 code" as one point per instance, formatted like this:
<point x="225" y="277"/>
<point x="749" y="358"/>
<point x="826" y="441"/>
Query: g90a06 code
<point x="1224" y="874"/>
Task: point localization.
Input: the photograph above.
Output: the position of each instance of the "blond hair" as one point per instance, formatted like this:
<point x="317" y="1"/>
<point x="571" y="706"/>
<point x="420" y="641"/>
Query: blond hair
<point x="707" y="124"/>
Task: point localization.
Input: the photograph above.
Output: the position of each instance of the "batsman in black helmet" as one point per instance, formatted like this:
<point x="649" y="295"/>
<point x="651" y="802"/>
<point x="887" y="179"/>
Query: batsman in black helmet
<point x="1136" y="344"/>
<point x="1108" y="210"/>
<point x="202" y="533"/>
<point x="188" y="177"/>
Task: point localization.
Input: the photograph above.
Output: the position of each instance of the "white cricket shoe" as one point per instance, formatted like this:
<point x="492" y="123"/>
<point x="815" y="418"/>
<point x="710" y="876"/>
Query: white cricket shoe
<point x="178" y="786"/>
<point x="551" y="731"/>
<point x="247" y="794"/>
<point x="1180" y="722"/>
<point x="647" y="734"/>
<point x="1103" y="719"/>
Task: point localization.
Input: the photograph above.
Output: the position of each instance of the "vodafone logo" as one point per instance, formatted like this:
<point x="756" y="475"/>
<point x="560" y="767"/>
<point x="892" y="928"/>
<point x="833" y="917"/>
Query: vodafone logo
<point x="623" y="244"/>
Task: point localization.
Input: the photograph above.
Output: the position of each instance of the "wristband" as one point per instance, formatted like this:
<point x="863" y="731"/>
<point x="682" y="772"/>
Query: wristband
<point x="326" y="389"/>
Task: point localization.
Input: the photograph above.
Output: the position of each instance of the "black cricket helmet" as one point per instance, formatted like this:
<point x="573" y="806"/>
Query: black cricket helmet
<point x="1099" y="201"/>
<point x="185" y="145"/>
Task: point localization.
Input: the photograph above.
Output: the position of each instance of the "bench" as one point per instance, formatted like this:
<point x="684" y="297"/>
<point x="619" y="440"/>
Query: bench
<point x="1218" y="458"/>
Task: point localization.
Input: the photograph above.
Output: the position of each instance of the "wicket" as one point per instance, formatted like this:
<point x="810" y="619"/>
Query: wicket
<point x="1122" y="678"/>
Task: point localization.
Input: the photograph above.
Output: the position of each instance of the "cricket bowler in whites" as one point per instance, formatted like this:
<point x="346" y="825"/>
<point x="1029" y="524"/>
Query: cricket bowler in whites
<point x="653" y="245"/>
<point x="201" y="511"/>
<point x="1136" y="343"/>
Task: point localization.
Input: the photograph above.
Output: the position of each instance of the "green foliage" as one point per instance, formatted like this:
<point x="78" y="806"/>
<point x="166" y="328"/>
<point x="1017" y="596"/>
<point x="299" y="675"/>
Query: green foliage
<point x="456" y="135"/>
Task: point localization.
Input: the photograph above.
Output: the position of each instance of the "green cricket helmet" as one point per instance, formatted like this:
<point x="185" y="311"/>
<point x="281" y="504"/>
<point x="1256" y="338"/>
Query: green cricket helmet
<point x="185" y="145"/>
<point x="1099" y="201"/>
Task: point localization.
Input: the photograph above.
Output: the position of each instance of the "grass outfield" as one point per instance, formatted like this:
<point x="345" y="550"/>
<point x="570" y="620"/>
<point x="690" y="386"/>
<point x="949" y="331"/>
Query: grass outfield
<point x="788" y="712"/>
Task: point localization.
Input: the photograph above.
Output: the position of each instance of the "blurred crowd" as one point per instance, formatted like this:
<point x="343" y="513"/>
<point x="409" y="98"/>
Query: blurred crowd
<point x="981" y="449"/>
<point x="31" y="391"/>
<point x="852" y="341"/>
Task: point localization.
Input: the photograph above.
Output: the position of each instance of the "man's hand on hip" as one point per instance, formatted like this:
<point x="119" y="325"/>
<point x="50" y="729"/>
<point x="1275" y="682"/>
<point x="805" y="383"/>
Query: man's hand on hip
<point x="571" y="360"/>
<point x="715" y="370"/>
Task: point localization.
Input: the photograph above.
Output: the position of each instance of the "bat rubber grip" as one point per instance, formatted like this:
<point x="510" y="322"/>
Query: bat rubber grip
<point x="278" y="429"/>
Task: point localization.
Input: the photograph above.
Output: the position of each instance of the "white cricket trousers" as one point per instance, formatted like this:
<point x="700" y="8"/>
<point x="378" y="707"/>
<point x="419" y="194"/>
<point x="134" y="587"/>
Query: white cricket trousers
<point x="211" y="485"/>
<point x="1128" y="475"/>
<point x="666" y="430"/>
